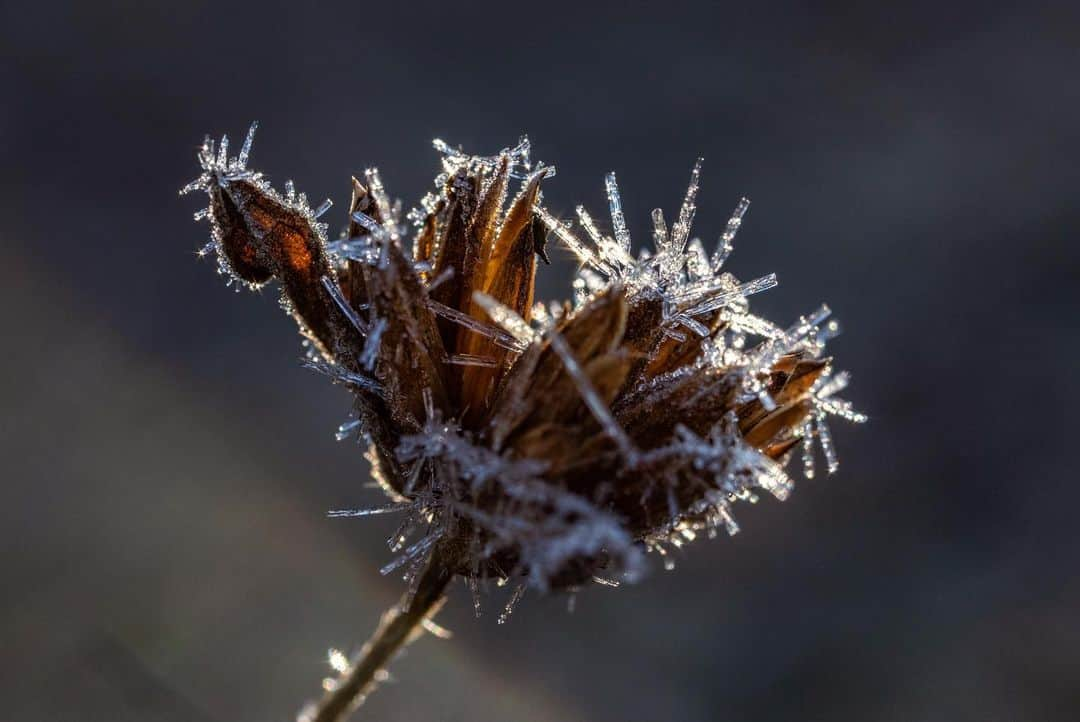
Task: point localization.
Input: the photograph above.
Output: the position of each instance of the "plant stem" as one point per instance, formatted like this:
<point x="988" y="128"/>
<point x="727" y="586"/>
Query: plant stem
<point x="396" y="629"/>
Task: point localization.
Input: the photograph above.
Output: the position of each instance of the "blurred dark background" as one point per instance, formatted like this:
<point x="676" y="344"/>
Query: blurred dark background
<point x="167" y="463"/>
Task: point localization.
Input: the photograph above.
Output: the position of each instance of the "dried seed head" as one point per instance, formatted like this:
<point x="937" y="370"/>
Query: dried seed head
<point x="549" y="444"/>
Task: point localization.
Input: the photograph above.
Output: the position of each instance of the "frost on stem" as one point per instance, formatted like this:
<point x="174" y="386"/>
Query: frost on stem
<point x="544" y="445"/>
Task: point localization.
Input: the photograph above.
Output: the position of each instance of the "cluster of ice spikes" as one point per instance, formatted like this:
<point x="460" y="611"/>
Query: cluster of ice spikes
<point x="542" y="445"/>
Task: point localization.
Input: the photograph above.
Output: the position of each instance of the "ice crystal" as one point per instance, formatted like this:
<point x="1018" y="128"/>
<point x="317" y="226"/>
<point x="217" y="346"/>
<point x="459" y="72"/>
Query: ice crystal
<point x="548" y="444"/>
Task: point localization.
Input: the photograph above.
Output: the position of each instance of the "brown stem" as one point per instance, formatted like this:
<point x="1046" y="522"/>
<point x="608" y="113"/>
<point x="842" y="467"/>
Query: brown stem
<point x="395" y="630"/>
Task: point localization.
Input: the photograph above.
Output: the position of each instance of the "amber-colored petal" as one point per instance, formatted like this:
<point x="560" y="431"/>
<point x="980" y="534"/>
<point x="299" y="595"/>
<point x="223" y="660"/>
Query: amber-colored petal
<point x="508" y="274"/>
<point x="593" y="332"/>
<point x="783" y="420"/>
<point x="778" y="450"/>
<point x="787" y="363"/>
<point x="509" y="269"/>
<point x="563" y="432"/>
<point x="563" y="401"/>
<point x="801" y="379"/>
<point x="479" y="235"/>
<point x="671" y="353"/>
<point x="264" y="238"/>
<point x="485" y="222"/>
<point x="453" y="249"/>
<point x="597" y="328"/>
<point x="792" y="378"/>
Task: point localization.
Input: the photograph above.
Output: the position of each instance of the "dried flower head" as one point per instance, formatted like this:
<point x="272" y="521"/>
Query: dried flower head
<point x="550" y="445"/>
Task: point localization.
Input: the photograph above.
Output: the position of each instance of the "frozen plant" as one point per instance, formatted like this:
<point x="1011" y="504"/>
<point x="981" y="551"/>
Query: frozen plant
<point x="544" y="446"/>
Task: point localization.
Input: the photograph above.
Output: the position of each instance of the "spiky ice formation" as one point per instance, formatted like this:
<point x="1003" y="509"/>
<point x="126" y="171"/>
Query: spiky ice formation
<point x="550" y="445"/>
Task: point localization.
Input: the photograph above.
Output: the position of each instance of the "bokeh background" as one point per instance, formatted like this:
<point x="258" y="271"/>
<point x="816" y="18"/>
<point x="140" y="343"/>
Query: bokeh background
<point x="167" y="463"/>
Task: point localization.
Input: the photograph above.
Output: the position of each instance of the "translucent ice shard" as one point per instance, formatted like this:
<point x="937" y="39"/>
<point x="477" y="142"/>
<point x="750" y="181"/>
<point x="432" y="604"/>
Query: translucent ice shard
<point x="465" y="359"/>
<point x="808" y="449"/>
<point x="605" y="582"/>
<point x="499" y="336"/>
<point x="245" y="149"/>
<point x="680" y="232"/>
<point x="833" y="384"/>
<point x="567" y="238"/>
<point x="332" y="288"/>
<point x="223" y="152"/>
<point x="727" y="239"/>
<point x="371" y="344"/>
<point x="388" y="509"/>
<point x="417" y="550"/>
<point x="519" y="592"/>
<point x="825" y="437"/>
<point x="587" y="223"/>
<point x="618" y="221"/>
<point x="697" y="263"/>
<point x="347" y="429"/>
<point x="708" y="297"/>
<point x="344" y="376"/>
<point x="338" y="661"/>
<point x="506" y="318"/>
<point x="841" y="408"/>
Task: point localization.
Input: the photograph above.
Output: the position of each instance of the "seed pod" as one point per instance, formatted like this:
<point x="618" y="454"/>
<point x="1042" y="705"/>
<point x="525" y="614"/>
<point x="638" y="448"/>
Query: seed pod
<point x="557" y="444"/>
